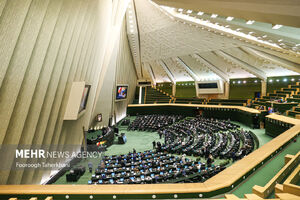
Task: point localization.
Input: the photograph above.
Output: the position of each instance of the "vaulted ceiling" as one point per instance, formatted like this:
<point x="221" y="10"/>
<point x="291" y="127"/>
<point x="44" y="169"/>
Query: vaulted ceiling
<point x="174" y="44"/>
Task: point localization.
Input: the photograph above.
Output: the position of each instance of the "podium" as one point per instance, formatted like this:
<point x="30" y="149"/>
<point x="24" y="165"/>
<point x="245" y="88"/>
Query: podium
<point x="122" y="139"/>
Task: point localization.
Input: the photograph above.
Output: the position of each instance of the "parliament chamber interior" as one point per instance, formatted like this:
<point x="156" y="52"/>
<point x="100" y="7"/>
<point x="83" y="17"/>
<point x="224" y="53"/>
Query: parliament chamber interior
<point x="149" y="99"/>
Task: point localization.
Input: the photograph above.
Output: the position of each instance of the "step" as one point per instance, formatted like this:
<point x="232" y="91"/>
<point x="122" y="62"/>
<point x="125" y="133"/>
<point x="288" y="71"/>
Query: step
<point x="253" y="197"/>
<point x="297" y="109"/>
<point x="286" y="196"/>
<point x="290" y="89"/>
<point x="283" y="92"/>
<point x="293" y="100"/>
<point x="231" y="197"/>
<point x="296" y="96"/>
<point x="293" y="113"/>
<point x="295" y="86"/>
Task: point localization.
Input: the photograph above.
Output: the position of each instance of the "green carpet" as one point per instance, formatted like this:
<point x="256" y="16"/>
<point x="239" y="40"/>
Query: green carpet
<point x="260" y="133"/>
<point x="266" y="172"/>
<point x="141" y="141"/>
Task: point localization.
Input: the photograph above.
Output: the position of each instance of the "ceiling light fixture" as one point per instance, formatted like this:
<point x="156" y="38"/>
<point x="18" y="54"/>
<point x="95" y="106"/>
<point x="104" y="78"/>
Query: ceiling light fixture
<point x="189" y="11"/>
<point x="277" y="26"/>
<point x="214" y="16"/>
<point x="200" y="13"/>
<point x="229" y="18"/>
<point x="250" y="22"/>
<point x="180" y="9"/>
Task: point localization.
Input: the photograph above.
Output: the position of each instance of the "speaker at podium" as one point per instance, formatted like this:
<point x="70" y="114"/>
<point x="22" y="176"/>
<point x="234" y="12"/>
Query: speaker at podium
<point x="122" y="139"/>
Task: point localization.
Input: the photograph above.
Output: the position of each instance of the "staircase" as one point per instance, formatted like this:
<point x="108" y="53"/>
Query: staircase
<point x="154" y="95"/>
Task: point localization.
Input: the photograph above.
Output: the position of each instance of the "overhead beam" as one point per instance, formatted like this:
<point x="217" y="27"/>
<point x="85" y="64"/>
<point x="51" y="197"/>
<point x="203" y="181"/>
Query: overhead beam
<point x="166" y="69"/>
<point x="273" y="59"/>
<point x="269" y="11"/>
<point x="187" y="68"/>
<point x="150" y="71"/>
<point x="253" y="70"/>
<point x="213" y="68"/>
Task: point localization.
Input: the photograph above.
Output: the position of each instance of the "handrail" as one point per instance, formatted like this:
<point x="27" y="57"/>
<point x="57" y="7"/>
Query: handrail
<point x="289" y="185"/>
<point x="242" y="108"/>
<point x="265" y="191"/>
<point x="225" y="179"/>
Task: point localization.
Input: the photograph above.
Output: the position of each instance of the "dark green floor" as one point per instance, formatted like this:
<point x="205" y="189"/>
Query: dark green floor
<point x="142" y="141"/>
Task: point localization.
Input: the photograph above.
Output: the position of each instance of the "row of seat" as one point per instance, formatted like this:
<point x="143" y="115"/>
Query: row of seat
<point x="201" y="136"/>
<point x="153" y="122"/>
<point x="148" y="167"/>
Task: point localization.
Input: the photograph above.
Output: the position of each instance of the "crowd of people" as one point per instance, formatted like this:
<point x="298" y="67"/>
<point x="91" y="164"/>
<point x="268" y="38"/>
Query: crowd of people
<point x="149" y="167"/>
<point x="193" y="136"/>
<point x="207" y="137"/>
<point x="153" y="122"/>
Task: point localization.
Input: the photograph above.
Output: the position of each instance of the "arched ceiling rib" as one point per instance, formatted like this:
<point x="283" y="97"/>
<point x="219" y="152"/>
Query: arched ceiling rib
<point x="270" y="11"/>
<point x="168" y="48"/>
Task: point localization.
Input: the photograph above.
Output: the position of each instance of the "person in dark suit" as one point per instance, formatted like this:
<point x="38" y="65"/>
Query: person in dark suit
<point x="209" y="160"/>
<point x="154" y="144"/>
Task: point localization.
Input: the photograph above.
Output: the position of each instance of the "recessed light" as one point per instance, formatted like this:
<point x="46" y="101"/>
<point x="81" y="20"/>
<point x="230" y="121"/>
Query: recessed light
<point x="250" y="22"/>
<point x="229" y="18"/>
<point x="214" y="16"/>
<point x="285" y="80"/>
<point x="277" y="80"/>
<point x="277" y="26"/>
<point x="270" y="80"/>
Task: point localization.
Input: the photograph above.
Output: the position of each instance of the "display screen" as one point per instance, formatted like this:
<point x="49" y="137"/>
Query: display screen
<point x="84" y="98"/>
<point x="121" y="92"/>
<point x="207" y="85"/>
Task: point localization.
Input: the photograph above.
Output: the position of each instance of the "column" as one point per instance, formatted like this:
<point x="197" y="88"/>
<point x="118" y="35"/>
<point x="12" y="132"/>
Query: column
<point x="140" y="95"/>
<point x="173" y="89"/>
<point x="263" y="88"/>
<point x="227" y="88"/>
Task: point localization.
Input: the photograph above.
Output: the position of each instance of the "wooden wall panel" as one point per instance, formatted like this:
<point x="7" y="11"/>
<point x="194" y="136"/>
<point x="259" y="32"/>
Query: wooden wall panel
<point x="10" y="27"/>
<point x="25" y="96"/>
<point x="125" y="74"/>
<point x="46" y="45"/>
<point x="2" y="5"/>
<point x="11" y="23"/>
<point x="16" y="70"/>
